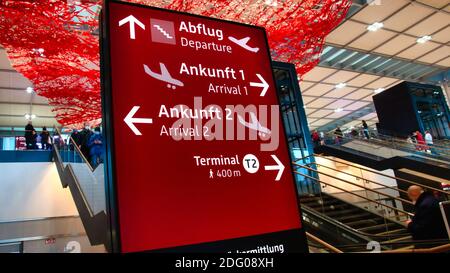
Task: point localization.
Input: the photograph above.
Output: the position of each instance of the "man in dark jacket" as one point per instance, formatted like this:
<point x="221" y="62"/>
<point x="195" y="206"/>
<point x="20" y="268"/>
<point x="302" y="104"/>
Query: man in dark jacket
<point x="45" y="139"/>
<point x="29" y="135"/>
<point x="85" y="135"/>
<point x="427" y="223"/>
<point x="76" y="138"/>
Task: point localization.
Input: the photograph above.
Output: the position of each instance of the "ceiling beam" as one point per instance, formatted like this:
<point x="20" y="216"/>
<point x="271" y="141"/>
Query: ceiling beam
<point x="22" y="116"/>
<point x="24" y="103"/>
<point x="12" y="88"/>
<point x="8" y="70"/>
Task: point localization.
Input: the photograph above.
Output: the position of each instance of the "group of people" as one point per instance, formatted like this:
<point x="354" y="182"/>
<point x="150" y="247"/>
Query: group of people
<point x="90" y="144"/>
<point x="421" y="142"/>
<point x="339" y="135"/>
<point x="317" y="138"/>
<point x="32" y="138"/>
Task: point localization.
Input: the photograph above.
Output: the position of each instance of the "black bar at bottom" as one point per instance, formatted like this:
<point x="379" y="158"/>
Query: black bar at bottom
<point x="289" y="241"/>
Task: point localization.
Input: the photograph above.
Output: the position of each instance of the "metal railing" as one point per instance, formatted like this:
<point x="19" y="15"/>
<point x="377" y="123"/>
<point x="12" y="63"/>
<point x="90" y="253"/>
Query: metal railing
<point x="308" y="169"/>
<point x="377" y="173"/>
<point x="323" y="244"/>
<point x="436" y="249"/>
<point x="355" y="194"/>
<point x="63" y="146"/>
<point x="86" y="186"/>
<point x="356" y="176"/>
<point x="404" y="143"/>
<point x="353" y="184"/>
<point x="397" y="146"/>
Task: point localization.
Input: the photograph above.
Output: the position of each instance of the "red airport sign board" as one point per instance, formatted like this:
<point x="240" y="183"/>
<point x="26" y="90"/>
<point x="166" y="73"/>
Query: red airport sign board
<point x="199" y="158"/>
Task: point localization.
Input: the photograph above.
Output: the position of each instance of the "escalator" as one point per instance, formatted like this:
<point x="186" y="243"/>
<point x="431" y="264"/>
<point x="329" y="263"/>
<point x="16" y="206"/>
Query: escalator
<point x="382" y="155"/>
<point x="86" y="186"/>
<point x="351" y="228"/>
<point x="354" y="213"/>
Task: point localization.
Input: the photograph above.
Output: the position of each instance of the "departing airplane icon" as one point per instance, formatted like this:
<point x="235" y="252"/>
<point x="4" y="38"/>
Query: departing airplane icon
<point x="254" y="125"/>
<point x="164" y="76"/>
<point x="243" y="43"/>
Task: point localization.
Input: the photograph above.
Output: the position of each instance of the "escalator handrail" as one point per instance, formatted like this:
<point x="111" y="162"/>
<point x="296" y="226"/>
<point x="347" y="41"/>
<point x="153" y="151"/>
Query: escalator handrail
<point x="86" y="213"/>
<point x="371" y="181"/>
<point x="407" y="147"/>
<point x="400" y="140"/>
<point x="344" y="190"/>
<point x="323" y="243"/>
<point x="382" y="174"/>
<point x="436" y="249"/>
<point x="75" y="145"/>
<point x="86" y="203"/>
<point x="442" y="243"/>
<point x="361" y="234"/>
<point x="354" y="184"/>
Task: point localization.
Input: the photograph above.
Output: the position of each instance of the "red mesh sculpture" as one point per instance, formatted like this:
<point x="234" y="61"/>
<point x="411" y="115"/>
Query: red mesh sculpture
<point x="54" y="43"/>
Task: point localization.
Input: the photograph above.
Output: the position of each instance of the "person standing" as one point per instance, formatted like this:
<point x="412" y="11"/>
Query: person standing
<point x="339" y="135"/>
<point x="365" y="129"/>
<point x="29" y="135"/>
<point x="45" y="137"/>
<point x="96" y="147"/>
<point x="429" y="141"/>
<point x="76" y="139"/>
<point x="34" y="136"/>
<point x="85" y="135"/>
<point x="315" y="138"/>
<point x="427" y="222"/>
<point x="420" y="141"/>
<point x="322" y="138"/>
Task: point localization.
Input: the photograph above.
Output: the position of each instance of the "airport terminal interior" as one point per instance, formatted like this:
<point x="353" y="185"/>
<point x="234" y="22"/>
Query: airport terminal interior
<point x="357" y="93"/>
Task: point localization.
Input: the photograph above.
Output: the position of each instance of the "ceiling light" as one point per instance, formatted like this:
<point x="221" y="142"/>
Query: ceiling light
<point x="378" y="90"/>
<point x="272" y="3"/>
<point x="424" y="39"/>
<point x="375" y="26"/>
<point x="338" y="110"/>
<point x="341" y="85"/>
<point x="29" y="117"/>
<point x="29" y="90"/>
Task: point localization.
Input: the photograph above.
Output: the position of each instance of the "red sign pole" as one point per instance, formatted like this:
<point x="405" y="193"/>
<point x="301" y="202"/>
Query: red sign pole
<point x="198" y="156"/>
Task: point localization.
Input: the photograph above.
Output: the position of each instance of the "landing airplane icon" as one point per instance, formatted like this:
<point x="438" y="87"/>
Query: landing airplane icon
<point x="164" y="76"/>
<point x="243" y="43"/>
<point x="254" y="125"/>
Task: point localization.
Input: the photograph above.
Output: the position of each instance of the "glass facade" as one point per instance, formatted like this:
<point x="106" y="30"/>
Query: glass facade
<point x="296" y="125"/>
<point x="432" y="110"/>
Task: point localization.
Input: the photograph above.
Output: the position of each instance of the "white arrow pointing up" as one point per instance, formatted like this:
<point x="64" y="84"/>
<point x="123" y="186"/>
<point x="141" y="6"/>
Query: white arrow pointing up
<point x="262" y="84"/>
<point x="279" y="167"/>
<point x="132" y="20"/>
<point x="130" y="120"/>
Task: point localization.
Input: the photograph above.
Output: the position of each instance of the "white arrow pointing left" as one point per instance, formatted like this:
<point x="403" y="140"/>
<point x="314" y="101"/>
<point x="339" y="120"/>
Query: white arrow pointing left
<point x="132" y="20"/>
<point x="279" y="167"/>
<point x="130" y="120"/>
<point x="262" y="84"/>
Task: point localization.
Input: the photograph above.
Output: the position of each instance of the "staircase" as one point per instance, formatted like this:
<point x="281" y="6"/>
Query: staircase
<point x="86" y="186"/>
<point x="367" y="225"/>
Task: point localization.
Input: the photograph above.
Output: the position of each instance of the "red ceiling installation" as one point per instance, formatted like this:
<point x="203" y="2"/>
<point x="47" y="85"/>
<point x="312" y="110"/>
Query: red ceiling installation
<point x="53" y="42"/>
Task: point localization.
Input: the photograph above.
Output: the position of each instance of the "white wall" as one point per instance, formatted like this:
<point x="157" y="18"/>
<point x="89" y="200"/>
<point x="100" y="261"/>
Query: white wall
<point x="385" y="181"/>
<point x="33" y="190"/>
<point x="361" y="180"/>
